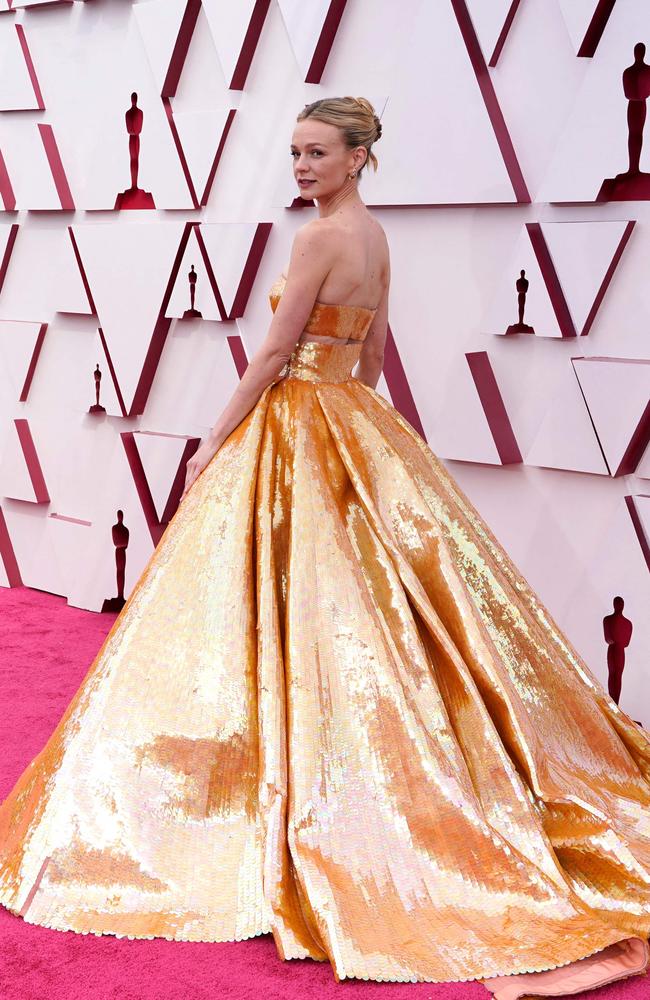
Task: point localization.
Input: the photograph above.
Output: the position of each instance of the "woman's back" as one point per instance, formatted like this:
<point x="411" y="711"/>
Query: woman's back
<point x="358" y="277"/>
<point x="360" y="274"/>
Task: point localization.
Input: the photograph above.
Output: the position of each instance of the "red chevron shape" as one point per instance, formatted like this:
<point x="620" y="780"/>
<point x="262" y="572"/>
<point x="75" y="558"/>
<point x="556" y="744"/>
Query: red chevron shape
<point x="158" y="335"/>
<point x="199" y="197"/>
<point x="554" y="286"/>
<point x="616" y="392"/>
<point x="492" y="24"/>
<point x="155" y="524"/>
<point x="490" y="99"/>
<point x="249" y="271"/>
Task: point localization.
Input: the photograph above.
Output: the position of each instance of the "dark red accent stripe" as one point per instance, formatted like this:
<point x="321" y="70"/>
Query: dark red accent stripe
<point x="551" y="280"/>
<point x="251" y="267"/>
<point x="155" y="525"/>
<point x="638" y="527"/>
<point x="637" y="445"/>
<point x="640" y="437"/>
<point x="82" y="271"/>
<point x="217" y="156"/>
<point x="113" y="373"/>
<point x="584" y="399"/>
<point x="503" y="34"/>
<point x="32" y="364"/>
<point x="31" y="460"/>
<point x="56" y="167"/>
<point x="178" y="483"/>
<point x="6" y="189"/>
<point x="30" y="66"/>
<point x="493" y="407"/>
<point x="600" y="295"/>
<point x="596" y="28"/>
<point x="141" y="486"/>
<point x="8" y="555"/>
<point x="398" y="385"/>
<point x="325" y="41"/>
<point x="181" y="46"/>
<point x="6" y="257"/>
<point x="249" y="44"/>
<point x="209" y="270"/>
<point x="150" y="365"/>
<point x="181" y="152"/>
<point x="159" y="335"/>
<point x="236" y="346"/>
<point x="491" y="103"/>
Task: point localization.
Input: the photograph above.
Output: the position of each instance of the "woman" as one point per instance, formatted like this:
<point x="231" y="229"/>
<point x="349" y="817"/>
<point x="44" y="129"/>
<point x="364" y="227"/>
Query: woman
<point x="332" y="708"/>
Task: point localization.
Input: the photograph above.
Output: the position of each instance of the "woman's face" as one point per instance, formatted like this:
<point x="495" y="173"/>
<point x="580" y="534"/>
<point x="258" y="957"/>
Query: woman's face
<point x="321" y="158"/>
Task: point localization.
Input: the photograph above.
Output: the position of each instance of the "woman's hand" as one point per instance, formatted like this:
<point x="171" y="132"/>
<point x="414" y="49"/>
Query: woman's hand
<point x="206" y="451"/>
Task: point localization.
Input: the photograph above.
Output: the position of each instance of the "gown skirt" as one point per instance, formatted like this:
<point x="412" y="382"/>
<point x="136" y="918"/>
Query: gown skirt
<point x="332" y="709"/>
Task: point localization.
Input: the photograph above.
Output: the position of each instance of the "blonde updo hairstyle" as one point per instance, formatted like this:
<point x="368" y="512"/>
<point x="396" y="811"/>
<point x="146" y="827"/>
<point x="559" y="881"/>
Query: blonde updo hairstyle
<point x="354" y="116"/>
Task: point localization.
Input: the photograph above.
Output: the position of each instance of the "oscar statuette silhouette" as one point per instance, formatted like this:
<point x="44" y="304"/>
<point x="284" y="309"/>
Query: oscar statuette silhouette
<point x="96" y="407"/>
<point x="192" y="313"/>
<point x="120" y="540"/>
<point x="522" y="287"/>
<point x="134" y="197"/>
<point x="634" y="183"/>
<point x="617" y="630"/>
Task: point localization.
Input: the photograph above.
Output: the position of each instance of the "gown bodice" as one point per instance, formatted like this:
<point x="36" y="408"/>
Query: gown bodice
<point x="326" y="362"/>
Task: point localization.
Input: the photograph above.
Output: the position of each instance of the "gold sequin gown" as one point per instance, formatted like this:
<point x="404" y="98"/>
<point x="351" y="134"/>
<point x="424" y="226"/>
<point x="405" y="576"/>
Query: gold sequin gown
<point x="333" y="709"/>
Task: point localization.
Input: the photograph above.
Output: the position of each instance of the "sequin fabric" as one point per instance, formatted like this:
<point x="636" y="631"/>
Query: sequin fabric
<point x="333" y="709"/>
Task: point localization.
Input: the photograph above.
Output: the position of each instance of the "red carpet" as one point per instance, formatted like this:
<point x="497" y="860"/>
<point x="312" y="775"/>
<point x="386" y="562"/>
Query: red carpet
<point x="46" y="649"/>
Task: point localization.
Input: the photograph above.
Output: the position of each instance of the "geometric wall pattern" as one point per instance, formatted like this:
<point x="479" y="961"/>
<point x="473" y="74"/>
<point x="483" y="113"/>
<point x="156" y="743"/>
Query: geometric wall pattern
<point x="520" y="233"/>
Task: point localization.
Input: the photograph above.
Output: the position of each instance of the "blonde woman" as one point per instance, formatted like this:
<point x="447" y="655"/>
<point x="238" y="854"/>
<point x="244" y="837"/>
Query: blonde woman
<point x="332" y="709"/>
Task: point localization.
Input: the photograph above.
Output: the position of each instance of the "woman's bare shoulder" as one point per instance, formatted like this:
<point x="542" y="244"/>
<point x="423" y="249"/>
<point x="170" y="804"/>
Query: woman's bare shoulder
<point x="333" y="238"/>
<point x="318" y="235"/>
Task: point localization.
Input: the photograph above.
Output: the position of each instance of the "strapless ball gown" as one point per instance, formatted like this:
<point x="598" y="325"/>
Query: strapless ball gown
<point x="332" y="709"/>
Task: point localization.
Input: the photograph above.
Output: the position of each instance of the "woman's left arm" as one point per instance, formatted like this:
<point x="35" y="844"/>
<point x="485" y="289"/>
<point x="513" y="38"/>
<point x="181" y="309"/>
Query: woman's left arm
<point x="309" y="265"/>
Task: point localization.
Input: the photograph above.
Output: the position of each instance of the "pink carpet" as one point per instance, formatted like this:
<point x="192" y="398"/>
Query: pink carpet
<point x="46" y="648"/>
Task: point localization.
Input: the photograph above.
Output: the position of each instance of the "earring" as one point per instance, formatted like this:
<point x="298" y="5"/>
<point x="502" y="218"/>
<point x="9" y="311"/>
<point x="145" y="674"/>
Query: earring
<point x="353" y="174"/>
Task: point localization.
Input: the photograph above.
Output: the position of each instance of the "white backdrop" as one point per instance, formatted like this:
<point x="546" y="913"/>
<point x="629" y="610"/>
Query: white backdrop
<point x="484" y="170"/>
